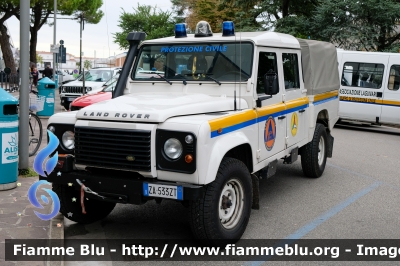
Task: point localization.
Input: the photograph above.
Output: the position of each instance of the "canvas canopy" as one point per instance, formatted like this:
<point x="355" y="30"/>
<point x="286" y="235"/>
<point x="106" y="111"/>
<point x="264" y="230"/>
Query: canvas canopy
<point x="320" y="66"/>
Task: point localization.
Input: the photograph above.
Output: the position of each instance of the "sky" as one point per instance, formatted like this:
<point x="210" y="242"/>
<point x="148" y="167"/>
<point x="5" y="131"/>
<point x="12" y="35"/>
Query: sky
<point x="95" y="37"/>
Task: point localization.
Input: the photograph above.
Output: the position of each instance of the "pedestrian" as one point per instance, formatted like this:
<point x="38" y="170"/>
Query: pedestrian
<point x="48" y="72"/>
<point x="35" y="76"/>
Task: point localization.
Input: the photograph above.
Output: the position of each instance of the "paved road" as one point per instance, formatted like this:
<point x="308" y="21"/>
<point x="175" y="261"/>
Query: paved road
<point x="356" y="198"/>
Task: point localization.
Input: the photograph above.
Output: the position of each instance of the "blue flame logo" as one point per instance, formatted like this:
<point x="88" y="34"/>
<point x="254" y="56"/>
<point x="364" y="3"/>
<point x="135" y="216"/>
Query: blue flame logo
<point x="32" y="198"/>
<point x="49" y="167"/>
<point x="42" y="155"/>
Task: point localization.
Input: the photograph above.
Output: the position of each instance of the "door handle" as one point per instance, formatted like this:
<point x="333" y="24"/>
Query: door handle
<point x="302" y="111"/>
<point x="281" y="117"/>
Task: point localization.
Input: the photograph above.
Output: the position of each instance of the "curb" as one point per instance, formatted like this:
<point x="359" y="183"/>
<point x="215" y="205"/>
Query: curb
<point x="56" y="233"/>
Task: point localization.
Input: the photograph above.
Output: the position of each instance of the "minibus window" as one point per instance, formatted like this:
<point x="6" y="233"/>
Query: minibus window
<point x="394" y="78"/>
<point x="365" y="75"/>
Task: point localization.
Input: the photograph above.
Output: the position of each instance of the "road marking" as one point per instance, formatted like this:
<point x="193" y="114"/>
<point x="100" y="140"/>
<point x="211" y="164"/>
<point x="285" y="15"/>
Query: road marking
<point x="319" y="220"/>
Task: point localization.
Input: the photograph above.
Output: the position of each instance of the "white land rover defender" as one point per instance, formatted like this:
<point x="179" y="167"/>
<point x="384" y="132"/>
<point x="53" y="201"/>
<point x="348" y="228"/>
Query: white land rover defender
<point x="95" y="78"/>
<point x="201" y="126"/>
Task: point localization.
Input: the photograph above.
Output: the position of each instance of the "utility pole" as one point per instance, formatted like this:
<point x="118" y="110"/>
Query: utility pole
<point x="80" y="55"/>
<point x="54" y="39"/>
<point x="23" y="147"/>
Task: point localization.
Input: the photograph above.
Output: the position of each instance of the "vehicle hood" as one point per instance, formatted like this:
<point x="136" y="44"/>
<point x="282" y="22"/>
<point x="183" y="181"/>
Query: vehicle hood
<point x="156" y="107"/>
<point x="92" y="98"/>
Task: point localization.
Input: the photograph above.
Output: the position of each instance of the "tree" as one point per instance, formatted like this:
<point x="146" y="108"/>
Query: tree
<point x="42" y="9"/>
<point x="215" y="12"/>
<point x="154" y="22"/>
<point x="87" y="64"/>
<point x="269" y="13"/>
<point x="370" y="25"/>
<point x="4" y="37"/>
<point x="39" y="58"/>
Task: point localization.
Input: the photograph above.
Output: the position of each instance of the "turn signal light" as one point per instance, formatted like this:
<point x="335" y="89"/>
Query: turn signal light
<point x="188" y="158"/>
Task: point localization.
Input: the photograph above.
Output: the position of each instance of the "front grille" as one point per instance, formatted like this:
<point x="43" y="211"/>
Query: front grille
<point x="72" y="89"/>
<point x="75" y="108"/>
<point x="113" y="148"/>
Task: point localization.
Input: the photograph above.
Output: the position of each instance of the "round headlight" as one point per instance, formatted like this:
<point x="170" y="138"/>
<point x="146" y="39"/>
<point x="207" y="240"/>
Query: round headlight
<point x="88" y="89"/>
<point x="62" y="89"/>
<point x="173" y="148"/>
<point x="68" y="140"/>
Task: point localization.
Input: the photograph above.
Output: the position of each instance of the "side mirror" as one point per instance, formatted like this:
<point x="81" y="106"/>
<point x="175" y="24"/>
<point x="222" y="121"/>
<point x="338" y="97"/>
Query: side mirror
<point x="271" y="84"/>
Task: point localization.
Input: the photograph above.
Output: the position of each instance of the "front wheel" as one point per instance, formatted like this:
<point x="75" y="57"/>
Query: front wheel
<point x="222" y="214"/>
<point x="314" y="154"/>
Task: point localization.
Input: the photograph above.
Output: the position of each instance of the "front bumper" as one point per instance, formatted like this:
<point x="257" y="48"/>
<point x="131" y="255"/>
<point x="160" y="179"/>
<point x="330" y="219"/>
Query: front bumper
<point x="117" y="188"/>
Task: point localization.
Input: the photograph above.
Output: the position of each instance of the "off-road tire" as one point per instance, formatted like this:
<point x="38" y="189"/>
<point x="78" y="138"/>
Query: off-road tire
<point x="313" y="165"/>
<point x="95" y="209"/>
<point x="205" y="213"/>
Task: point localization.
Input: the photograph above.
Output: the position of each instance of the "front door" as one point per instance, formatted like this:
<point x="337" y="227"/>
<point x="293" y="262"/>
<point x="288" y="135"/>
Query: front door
<point x="362" y="84"/>
<point x="271" y="115"/>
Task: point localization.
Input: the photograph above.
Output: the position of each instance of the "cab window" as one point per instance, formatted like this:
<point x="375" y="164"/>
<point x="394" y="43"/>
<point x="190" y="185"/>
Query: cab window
<point x="267" y="63"/>
<point x="365" y="75"/>
<point x="394" y="78"/>
<point x="290" y="71"/>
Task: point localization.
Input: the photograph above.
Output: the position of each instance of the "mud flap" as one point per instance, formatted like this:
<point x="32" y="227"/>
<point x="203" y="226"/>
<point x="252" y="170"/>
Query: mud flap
<point x="256" y="192"/>
<point x="330" y="145"/>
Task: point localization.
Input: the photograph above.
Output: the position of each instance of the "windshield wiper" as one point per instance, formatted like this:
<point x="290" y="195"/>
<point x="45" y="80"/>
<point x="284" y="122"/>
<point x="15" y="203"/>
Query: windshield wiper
<point x="184" y="79"/>
<point x="216" y="81"/>
<point x="170" y="83"/>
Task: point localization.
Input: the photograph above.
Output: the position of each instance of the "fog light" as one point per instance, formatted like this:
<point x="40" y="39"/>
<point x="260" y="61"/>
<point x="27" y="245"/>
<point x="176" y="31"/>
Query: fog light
<point x="189" y="139"/>
<point x="188" y="158"/>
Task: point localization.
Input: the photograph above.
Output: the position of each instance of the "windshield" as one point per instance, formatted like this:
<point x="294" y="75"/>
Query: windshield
<point x="97" y="75"/>
<point x="112" y="80"/>
<point x="110" y="86"/>
<point x="193" y="62"/>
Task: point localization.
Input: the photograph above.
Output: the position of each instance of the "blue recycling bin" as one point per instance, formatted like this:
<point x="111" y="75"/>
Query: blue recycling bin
<point x="46" y="87"/>
<point x="9" y="140"/>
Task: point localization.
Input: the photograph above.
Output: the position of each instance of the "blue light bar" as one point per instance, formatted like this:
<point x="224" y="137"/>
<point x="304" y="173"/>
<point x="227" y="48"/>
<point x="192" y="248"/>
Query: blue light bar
<point x="180" y="30"/>
<point x="228" y="28"/>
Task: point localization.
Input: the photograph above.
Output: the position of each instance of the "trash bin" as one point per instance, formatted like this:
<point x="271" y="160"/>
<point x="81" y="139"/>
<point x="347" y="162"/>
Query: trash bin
<point x="46" y="87"/>
<point x="8" y="140"/>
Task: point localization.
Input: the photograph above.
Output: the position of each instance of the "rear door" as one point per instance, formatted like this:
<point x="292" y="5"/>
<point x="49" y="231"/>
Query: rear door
<point x="391" y="94"/>
<point x="271" y="118"/>
<point x="362" y="85"/>
<point x="295" y="97"/>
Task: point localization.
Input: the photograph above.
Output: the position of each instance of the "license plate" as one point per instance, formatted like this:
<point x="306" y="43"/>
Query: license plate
<point x="163" y="191"/>
<point x="70" y="99"/>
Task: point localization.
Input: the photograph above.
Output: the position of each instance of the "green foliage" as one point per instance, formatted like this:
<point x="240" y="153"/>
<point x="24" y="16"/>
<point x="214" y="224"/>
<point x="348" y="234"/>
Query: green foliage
<point x="154" y="22"/>
<point x="27" y="173"/>
<point x="39" y="58"/>
<point x="215" y="12"/>
<point x="369" y="25"/>
<point x="87" y="64"/>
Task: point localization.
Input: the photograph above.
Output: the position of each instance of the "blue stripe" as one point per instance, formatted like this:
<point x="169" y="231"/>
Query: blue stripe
<point x="319" y="220"/>
<point x="326" y="100"/>
<point x="255" y="121"/>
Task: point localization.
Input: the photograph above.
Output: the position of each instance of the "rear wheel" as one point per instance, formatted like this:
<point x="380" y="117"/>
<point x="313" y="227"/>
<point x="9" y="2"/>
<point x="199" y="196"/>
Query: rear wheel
<point x="222" y="214"/>
<point x="314" y="154"/>
<point x="70" y="201"/>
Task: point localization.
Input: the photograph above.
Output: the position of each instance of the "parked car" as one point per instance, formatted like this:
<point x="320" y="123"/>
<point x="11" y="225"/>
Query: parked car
<point x="95" y="79"/>
<point x="88" y="99"/>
